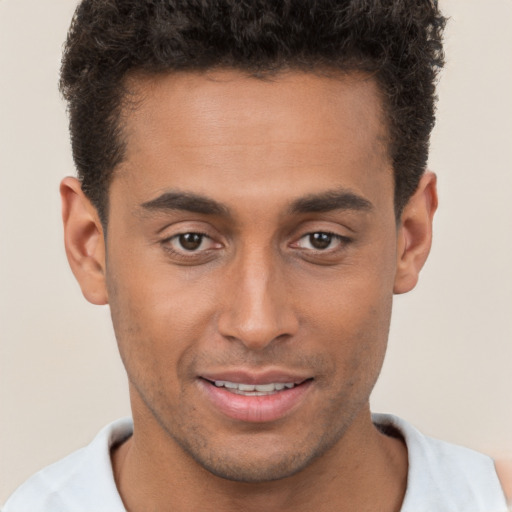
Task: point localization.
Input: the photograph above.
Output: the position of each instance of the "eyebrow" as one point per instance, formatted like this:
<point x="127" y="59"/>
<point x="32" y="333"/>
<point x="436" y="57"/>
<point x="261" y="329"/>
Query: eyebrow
<point x="313" y="203"/>
<point x="330" y="201"/>
<point x="186" y="201"/>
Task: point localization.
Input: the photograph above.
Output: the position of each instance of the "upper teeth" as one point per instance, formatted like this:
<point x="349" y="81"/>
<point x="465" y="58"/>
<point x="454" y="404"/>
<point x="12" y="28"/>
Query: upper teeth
<point x="262" y="388"/>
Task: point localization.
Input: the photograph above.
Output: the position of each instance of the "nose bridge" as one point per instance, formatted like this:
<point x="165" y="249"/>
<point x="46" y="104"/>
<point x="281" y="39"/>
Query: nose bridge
<point x="259" y="309"/>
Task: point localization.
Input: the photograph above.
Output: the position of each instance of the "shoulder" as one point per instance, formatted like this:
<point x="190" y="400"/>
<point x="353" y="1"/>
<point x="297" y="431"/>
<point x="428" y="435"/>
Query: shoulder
<point x="80" y="482"/>
<point x="443" y="476"/>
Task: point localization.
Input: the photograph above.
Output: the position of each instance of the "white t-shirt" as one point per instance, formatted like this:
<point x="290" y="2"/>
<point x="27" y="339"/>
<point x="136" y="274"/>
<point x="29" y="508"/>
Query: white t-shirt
<point x="442" y="477"/>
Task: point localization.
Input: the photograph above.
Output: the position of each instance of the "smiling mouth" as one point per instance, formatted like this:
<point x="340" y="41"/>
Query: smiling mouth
<point x="263" y="401"/>
<point x="239" y="388"/>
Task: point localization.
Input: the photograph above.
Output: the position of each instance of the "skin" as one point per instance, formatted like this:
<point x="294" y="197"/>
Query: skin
<point x="504" y="470"/>
<point x="256" y="294"/>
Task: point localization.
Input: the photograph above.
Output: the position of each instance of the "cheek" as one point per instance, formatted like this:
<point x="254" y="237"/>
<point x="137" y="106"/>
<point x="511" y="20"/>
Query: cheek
<point x="157" y="319"/>
<point x="351" y="315"/>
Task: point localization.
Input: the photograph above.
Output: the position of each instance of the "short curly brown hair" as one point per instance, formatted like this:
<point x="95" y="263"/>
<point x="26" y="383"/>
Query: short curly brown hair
<point x="398" y="41"/>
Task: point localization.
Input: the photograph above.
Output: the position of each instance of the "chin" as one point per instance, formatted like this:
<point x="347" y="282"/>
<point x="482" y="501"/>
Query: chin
<point x="259" y="463"/>
<point x="255" y="471"/>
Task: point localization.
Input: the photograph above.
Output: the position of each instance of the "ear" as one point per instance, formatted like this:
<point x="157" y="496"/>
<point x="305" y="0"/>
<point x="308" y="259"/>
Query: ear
<point x="415" y="233"/>
<point x="84" y="241"/>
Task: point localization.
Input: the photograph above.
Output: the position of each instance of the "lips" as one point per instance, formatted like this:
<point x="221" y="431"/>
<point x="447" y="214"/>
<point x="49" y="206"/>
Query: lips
<point x="249" y="397"/>
<point x="254" y="389"/>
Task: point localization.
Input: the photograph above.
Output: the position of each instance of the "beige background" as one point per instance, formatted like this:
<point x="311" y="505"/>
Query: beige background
<point x="449" y="366"/>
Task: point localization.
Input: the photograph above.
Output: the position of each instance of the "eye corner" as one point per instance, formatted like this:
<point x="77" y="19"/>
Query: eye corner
<point x="190" y="247"/>
<point x="321" y="241"/>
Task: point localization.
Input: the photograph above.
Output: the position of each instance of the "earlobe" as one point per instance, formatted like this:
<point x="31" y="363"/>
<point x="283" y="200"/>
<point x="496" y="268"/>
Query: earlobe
<point x="415" y="234"/>
<point x="84" y="241"/>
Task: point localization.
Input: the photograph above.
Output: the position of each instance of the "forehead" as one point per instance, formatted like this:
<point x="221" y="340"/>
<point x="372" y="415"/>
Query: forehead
<point x="196" y="130"/>
<point x="234" y="100"/>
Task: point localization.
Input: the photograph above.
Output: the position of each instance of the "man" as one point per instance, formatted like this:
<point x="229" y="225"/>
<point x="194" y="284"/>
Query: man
<point x="252" y="192"/>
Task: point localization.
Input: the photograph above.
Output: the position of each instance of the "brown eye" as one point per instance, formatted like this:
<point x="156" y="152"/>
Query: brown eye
<point x="192" y="248"/>
<point x="190" y="241"/>
<point x="320" y="240"/>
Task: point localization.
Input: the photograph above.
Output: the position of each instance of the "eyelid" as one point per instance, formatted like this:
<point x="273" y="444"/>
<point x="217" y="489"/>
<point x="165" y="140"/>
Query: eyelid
<point x="184" y="226"/>
<point x="340" y="238"/>
<point x="194" y="257"/>
<point x="204" y="236"/>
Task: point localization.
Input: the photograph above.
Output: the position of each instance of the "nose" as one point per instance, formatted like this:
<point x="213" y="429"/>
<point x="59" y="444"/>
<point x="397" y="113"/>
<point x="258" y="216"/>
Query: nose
<point x="259" y="308"/>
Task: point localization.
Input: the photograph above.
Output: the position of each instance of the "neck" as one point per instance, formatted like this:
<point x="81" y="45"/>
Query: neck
<point x="363" y="469"/>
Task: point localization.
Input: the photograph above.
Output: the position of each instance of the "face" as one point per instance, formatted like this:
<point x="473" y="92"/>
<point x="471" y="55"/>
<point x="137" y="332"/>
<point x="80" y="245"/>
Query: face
<point x="251" y="258"/>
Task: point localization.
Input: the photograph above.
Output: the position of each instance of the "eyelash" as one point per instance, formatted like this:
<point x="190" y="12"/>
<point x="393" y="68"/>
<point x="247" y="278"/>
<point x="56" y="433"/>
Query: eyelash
<point x="184" y="254"/>
<point x="195" y="255"/>
<point x="343" y="241"/>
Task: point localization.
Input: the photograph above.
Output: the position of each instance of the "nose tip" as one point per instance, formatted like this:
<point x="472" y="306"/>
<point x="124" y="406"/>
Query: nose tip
<point x="257" y="332"/>
<point x="259" y="311"/>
